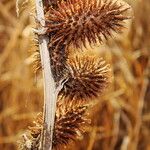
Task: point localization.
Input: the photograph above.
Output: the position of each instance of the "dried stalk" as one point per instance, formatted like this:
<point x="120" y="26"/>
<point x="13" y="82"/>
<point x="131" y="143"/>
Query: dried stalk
<point x="50" y="95"/>
<point x="137" y="127"/>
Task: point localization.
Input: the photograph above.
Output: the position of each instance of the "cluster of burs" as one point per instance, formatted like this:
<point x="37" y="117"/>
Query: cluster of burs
<point x="73" y="26"/>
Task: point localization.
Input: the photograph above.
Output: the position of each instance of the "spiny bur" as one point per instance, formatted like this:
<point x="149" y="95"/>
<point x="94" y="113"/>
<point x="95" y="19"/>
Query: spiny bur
<point x="88" y="77"/>
<point x="76" y="21"/>
<point x="70" y="121"/>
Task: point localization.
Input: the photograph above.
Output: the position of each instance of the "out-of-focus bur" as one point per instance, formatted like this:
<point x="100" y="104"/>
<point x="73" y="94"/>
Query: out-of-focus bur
<point x="76" y="21"/>
<point x="88" y="78"/>
<point x="70" y="122"/>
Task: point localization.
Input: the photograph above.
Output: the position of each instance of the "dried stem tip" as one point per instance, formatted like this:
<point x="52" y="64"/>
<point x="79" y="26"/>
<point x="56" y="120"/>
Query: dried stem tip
<point x="87" y="79"/>
<point x="77" y="21"/>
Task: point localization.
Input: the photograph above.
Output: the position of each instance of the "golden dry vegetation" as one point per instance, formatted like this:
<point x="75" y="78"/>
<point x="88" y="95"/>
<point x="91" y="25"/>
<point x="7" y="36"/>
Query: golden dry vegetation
<point x="121" y="118"/>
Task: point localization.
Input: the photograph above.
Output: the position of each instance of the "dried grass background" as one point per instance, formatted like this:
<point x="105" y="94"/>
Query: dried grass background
<point x="120" y="120"/>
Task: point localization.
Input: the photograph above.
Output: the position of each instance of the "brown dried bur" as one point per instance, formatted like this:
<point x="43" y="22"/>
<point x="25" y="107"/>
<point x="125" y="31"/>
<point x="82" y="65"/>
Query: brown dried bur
<point x="70" y="121"/>
<point x="80" y="22"/>
<point x="76" y="21"/>
<point x="88" y="77"/>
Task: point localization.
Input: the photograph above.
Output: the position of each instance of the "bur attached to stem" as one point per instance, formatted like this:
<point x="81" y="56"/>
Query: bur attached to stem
<point x="76" y="21"/>
<point x="88" y="78"/>
<point x="50" y="91"/>
<point x="70" y="122"/>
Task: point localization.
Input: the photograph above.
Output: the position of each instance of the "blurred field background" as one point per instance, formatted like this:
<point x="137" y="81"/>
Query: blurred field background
<point x="120" y="120"/>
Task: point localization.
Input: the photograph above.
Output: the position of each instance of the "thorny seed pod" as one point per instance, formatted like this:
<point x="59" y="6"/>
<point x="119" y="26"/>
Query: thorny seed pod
<point x="88" y="77"/>
<point x="76" y="21"/>
<point x="70" y="121"/>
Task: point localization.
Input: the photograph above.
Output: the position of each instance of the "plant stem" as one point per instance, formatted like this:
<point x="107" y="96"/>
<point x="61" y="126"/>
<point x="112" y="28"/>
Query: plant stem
<point x="50" y="94"/>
